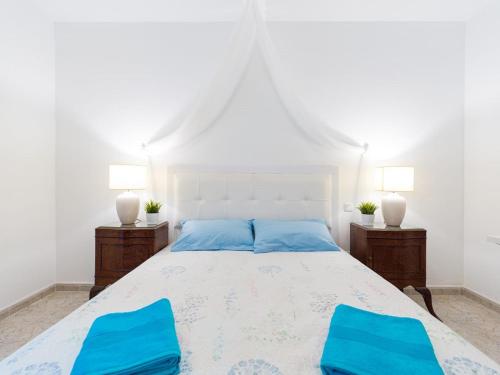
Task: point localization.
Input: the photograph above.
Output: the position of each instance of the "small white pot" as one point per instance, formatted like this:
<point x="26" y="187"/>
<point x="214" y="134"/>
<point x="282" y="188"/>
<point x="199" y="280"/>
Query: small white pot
<point x="367" y="219"/>
<point x="152" y="218"/>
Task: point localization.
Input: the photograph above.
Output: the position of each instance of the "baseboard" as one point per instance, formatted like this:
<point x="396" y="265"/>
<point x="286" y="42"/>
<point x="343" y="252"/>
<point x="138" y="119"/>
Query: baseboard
<point x="9" y="310"/>
<point x="73" y="287"/>
<point x="64" y="287"/>
<point x="439" y="290"/>
<point x="485" y="301"/>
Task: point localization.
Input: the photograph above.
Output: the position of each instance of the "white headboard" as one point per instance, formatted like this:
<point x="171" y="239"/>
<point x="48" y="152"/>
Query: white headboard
<point x="250" y="193"/>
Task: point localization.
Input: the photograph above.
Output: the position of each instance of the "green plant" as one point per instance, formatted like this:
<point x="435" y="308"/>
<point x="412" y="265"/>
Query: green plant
<point x="367" y="208"/>
<point x="152" y="207"/>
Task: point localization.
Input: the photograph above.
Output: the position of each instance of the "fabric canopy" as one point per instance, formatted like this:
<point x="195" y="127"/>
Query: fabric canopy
<point x="251" y="32"/>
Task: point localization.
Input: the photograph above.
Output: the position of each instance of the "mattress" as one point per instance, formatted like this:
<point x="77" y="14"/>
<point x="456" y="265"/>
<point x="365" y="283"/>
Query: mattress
<point x="244" y="313"/>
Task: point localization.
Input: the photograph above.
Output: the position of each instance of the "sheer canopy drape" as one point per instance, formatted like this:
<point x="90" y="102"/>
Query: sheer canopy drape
<point x="251" y="32"/>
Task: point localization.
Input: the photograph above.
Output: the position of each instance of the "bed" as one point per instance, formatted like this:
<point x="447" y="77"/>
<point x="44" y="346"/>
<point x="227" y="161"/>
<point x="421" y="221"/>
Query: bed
<point x="237" y="312"/>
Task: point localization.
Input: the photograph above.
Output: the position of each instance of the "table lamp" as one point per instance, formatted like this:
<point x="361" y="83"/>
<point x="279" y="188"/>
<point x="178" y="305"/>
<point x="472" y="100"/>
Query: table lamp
<point x="394" y="180"/>
<point x="127" y="177"/>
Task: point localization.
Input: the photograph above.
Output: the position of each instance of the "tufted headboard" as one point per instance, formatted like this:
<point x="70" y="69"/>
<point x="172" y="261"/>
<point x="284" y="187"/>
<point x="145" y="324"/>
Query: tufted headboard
<point x="280" y="193"/>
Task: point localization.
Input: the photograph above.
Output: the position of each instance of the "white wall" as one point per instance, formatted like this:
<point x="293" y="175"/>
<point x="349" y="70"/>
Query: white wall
<point x="482" y="155"/>
<point x="116" y="84"/>
<point x="27" y="222"/>
<point x="398" y="86"/>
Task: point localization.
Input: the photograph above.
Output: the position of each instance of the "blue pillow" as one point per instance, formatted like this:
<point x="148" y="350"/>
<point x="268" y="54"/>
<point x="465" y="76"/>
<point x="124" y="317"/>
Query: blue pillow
<point x="233" y="234"/>
<point x="292" y="235"/>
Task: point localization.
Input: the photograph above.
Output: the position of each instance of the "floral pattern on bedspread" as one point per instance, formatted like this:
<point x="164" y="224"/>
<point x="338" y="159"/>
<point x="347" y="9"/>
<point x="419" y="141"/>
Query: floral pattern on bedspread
<point x="45" y="368"/>
<point x="241" y="313"/>
<point x="254" y="367"/>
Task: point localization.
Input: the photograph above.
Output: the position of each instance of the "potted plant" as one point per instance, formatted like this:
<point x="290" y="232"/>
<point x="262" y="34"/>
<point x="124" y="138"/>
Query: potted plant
<point x="152" y="209"/>
<point x="367" y="209"/>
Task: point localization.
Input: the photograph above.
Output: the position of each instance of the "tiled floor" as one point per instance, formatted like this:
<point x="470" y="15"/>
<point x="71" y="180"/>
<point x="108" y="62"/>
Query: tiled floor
<point x="21" y="327"/>
<point x="478" y="324"/>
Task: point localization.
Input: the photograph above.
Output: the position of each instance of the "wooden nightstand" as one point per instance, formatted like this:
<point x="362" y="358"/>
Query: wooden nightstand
<point x="121" y="248"/>
<point x="396" y="253"/>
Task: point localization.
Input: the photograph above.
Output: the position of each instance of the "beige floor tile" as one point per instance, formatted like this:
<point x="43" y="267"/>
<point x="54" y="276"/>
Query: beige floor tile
<point x="473" y="321"/>
<point x="19" y="328"/>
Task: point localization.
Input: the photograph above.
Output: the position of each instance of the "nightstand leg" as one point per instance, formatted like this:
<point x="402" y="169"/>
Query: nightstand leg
<point x="426" y="293"/>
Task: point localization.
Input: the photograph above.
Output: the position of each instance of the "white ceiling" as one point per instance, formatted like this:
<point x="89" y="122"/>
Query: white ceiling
<point x="374" y="10"/>
<point x="277" y="10"/>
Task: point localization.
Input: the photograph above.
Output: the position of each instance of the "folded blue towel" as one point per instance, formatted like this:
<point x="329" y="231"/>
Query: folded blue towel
<point x="361" y="342"/>
<point x="137" y="342"/>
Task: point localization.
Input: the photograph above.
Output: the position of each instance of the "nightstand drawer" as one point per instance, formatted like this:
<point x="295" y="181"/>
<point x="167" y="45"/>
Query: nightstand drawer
<point x="392" y="256"/>
<point x="122" y="257"/>
<point x="104" y="232"/>
<point x="396" y="235"/>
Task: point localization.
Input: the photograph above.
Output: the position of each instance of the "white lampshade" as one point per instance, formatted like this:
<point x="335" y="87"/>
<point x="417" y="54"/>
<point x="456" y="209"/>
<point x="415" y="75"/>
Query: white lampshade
<point x="127" y="177"/>
<point x="394" y="179"/>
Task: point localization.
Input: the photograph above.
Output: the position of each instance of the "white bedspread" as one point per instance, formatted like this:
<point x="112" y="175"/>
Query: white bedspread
<point x="243" y="313"/>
